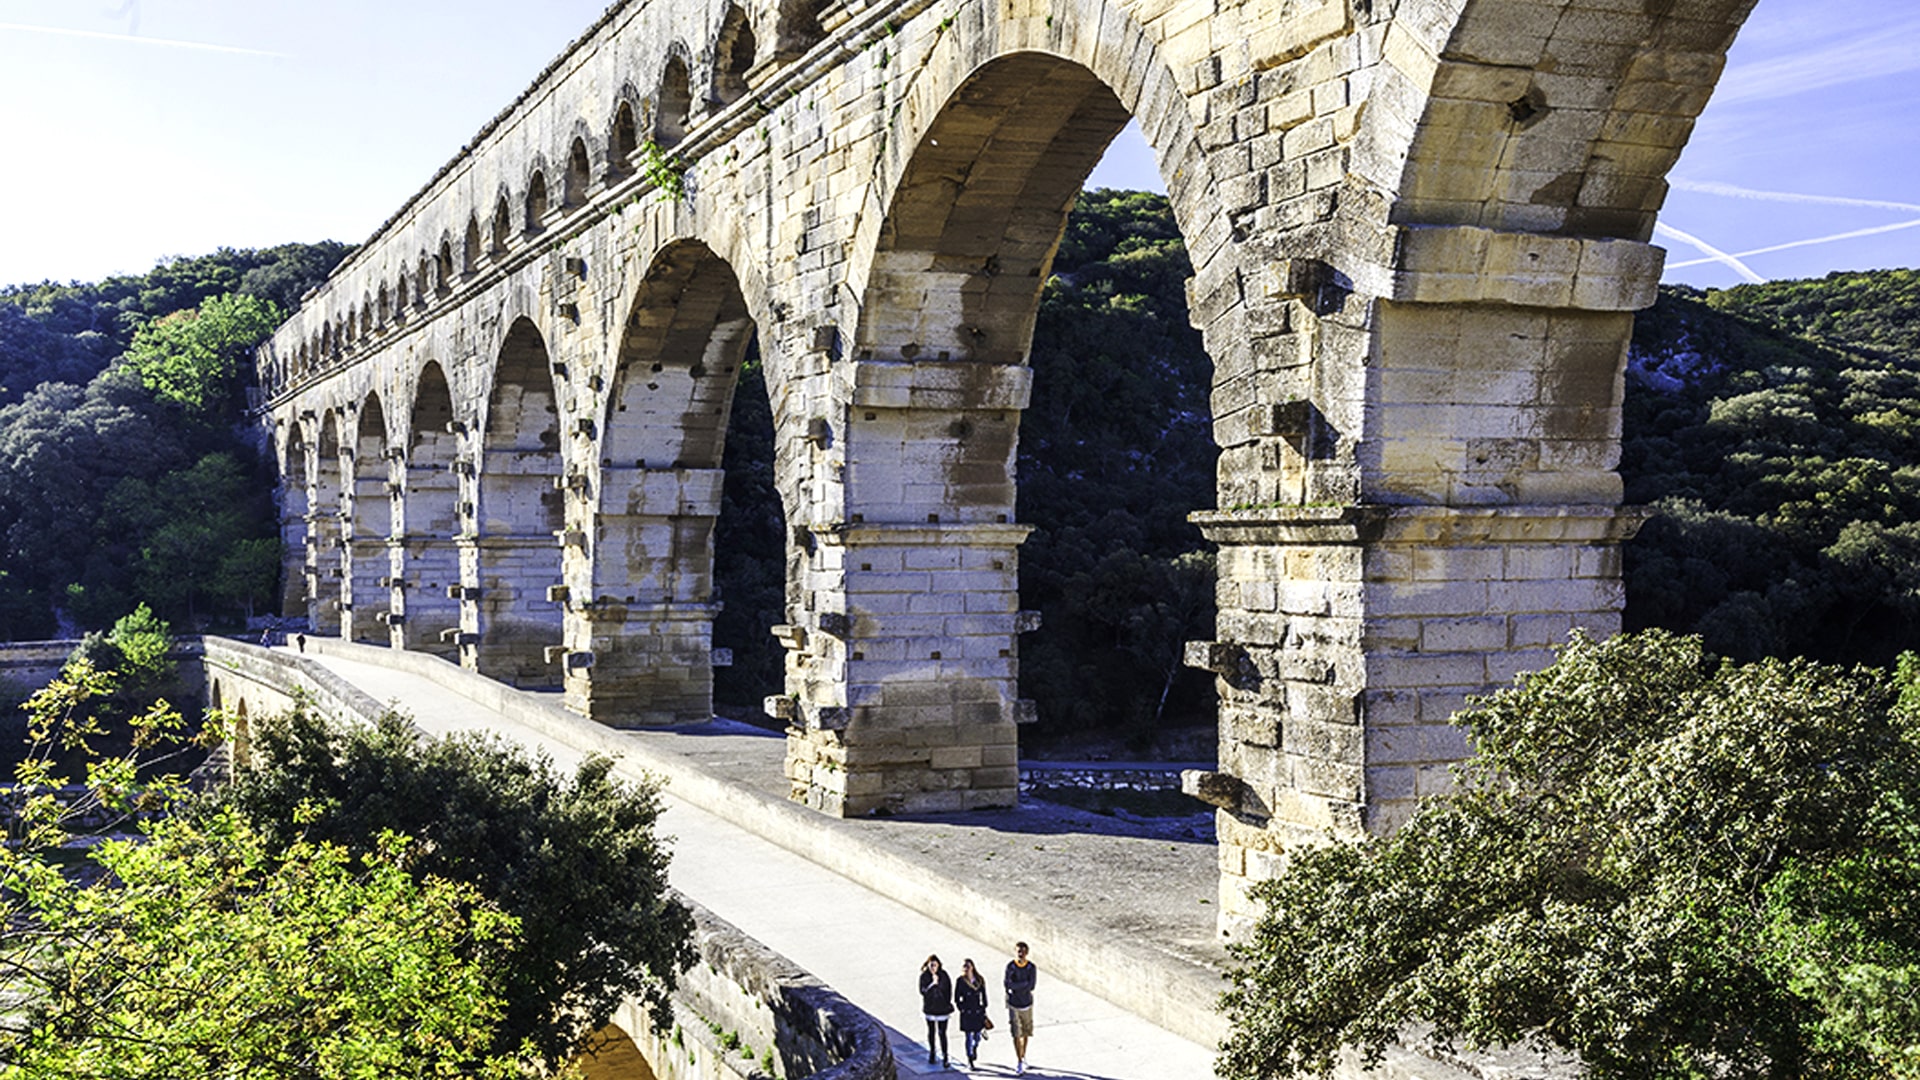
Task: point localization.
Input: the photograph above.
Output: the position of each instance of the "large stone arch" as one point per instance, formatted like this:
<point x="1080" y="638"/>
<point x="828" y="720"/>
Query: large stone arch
<point x="427" y="583"/>
<point x="644" y="615"/>
<point x="364" y="605"/>
<point x="914" y="617"/>
<point x="513" y="558"/>
<point x="326" y="510"/>
<point x="295" y="529"/>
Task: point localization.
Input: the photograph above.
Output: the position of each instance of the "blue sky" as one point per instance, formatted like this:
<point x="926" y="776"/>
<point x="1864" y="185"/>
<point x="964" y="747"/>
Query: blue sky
<point x="138" y="129"/>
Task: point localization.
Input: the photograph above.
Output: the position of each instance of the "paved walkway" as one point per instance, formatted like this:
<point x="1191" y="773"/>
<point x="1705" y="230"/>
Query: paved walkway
<point x="869" y="946"/>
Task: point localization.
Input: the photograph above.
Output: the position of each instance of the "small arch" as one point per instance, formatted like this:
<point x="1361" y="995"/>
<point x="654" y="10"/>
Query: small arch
<point x="425" y="280"/>
<point x="624" y="143"/>
<point x="502" y="227"/>
<point x="470" y="250"/>
<point x="797" y="28"/>
<point x="675" y="104"/>
<point x="400" y="297"/>
<point x="733" y="57"/>
<point x="443" y="268"/>
<point x="578" y="177"/>
<point x="366" y="319"/>
<point x="536" y="203"/>
<point x="385" y="302"/>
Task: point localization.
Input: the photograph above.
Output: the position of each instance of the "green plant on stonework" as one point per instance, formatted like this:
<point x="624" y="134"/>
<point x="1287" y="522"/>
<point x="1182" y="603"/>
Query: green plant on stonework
<point x="1670" y="865"/>
<point x="183" y="946"/>
<point x="665" y="172"/>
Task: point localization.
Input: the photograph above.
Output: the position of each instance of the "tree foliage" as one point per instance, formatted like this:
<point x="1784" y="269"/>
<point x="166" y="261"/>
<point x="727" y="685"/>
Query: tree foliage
<point x="174" y="946"/>
<point x="576" y="861"/>
<point x="95" y="462"/>
<point x="1776" y="429"/>
<point x="749" y="549"/>
<point x="199" y="952"/>
<point x="193" y="358"/>
<point x="69" y="333"/>
<point x="285" y="925"/>
<point x="1669" y="865"/>
<point x="1116" y="449"/>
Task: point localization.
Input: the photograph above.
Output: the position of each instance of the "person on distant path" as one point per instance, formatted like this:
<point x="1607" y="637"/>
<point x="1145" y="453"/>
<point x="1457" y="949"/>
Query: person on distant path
<point x="970" y="995"/>
<point x="1021" y="977"/>
<point x="936" y="1003"/>
<point x="300" y="640"/>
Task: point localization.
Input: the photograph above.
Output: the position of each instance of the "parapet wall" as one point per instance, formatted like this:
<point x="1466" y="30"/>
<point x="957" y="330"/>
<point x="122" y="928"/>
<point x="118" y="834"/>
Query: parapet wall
<point x="26" y="666"/>
<point x="744" y="1012"/>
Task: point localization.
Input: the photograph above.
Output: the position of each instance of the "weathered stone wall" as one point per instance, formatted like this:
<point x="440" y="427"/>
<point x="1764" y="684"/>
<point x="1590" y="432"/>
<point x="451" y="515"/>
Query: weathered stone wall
<point x="1418" y="230"/>
<point x="740" y="1001"/>
<point x="26" y="666"/>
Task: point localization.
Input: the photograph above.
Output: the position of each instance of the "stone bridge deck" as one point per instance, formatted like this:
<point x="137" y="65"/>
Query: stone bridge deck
<point x="860" y="903"/>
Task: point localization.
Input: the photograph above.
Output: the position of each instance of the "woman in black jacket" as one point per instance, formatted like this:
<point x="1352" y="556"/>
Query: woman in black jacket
<point x="970" y="995"/>
<point x="936" y="1003"/>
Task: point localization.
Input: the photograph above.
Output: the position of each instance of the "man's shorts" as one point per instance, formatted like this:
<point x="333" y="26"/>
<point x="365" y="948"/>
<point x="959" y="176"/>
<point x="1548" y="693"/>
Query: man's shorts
<point x="1020" y="1022"/>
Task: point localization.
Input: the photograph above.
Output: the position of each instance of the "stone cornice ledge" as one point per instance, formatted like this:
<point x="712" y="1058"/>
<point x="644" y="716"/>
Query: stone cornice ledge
<point x="1376" y="523"/>
<point x="955" y="534"/>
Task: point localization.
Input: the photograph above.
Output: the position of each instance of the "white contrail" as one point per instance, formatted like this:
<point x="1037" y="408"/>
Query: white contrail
<point x="1867" y="54"/>
<point x="1714" y="254"/>
<point x="62" y="31"/>
<point x="1734" y="191"/>
<point x="1722" y="257"/>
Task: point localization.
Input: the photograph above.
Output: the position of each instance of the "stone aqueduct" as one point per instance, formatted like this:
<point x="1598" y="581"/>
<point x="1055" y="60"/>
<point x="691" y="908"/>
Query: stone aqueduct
<point x="1418" y="230"/>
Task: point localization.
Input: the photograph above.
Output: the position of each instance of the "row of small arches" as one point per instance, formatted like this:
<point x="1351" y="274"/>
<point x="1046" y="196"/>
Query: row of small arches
<point x="434" y="273"/>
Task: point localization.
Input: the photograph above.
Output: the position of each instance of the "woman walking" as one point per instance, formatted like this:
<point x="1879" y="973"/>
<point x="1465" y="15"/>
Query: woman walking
<point x="936" y="1003"/>
<point x="970" y="995"/>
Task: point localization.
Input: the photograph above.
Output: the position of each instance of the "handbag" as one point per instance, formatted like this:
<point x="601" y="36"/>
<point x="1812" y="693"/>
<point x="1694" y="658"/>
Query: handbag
<point x="989" y="1025"/>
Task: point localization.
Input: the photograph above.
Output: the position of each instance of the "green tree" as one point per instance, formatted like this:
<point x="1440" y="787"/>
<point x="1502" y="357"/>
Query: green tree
<point x="1777" y="429"/>
<point x="194" y="358"/>
<point x="190" y="949"/>
<point x="196" y="951"/>
<point x="1669" y="865"/>
<point x="575" y="860"/>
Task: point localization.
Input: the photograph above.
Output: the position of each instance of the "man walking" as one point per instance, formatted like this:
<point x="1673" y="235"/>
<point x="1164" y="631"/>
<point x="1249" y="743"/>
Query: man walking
<point x="1021" y="976"/>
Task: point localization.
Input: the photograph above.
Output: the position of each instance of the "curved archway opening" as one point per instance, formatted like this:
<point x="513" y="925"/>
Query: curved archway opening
<point x="799" y="28"/>
<point x="624" y="143"/>
<point x="537" y="203"/>
<point x="325" y="512"/>
<point x="934" y="450"/>
<point x="521" y="517"/>
<point x="661" y="491"/>
<point x="579" y="175"/>
<point x="502" y="232"/>
<point x="429" y="559"/>
<point x="295" y="553"/>
<point x="675" y="104"/>
<point x="364" y="605"/>
<point x="733" y="57"/>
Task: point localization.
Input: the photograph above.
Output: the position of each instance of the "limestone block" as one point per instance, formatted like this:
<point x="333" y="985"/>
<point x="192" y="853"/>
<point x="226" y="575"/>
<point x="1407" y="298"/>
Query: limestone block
<point x="1286" y="29"/>
<point x="1463" y="635"/>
